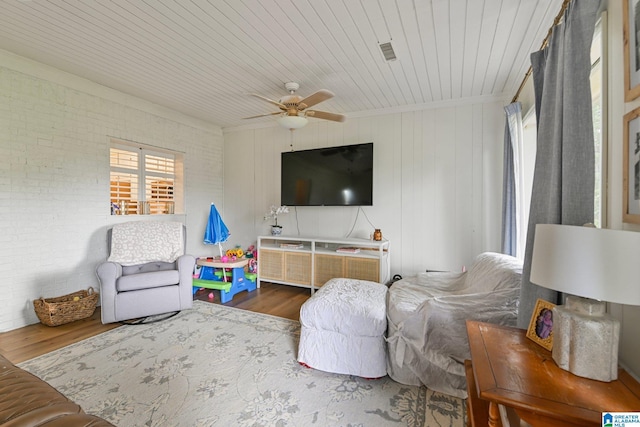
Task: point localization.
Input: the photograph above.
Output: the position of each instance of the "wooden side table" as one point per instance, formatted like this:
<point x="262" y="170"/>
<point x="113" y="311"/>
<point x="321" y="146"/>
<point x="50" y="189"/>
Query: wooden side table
<point x="511" y="370"/>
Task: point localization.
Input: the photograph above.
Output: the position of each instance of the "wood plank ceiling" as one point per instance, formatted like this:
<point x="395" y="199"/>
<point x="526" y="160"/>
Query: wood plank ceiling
<point x="202" y="57"/>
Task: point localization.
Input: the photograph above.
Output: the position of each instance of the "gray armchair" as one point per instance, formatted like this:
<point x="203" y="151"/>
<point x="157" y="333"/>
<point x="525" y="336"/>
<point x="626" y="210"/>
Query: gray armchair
<point x="147" y="272"/>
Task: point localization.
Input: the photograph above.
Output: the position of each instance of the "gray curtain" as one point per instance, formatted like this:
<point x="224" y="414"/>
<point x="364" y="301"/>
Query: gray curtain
<point x="563" y="181"/>
<point x="510" y="212"/>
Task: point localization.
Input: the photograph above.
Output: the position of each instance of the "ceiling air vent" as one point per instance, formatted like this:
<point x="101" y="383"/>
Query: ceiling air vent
<point x="387" y="51"/>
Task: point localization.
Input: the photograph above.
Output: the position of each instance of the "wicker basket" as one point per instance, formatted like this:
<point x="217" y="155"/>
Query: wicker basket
<point x="61" y="310"/>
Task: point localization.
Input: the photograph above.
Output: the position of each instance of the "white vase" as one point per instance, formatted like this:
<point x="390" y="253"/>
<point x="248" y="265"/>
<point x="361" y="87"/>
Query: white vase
<point x="276" y="230"/>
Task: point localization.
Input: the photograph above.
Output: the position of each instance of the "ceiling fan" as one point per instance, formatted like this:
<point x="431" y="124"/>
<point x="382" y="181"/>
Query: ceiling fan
<point x="294" y="109"/>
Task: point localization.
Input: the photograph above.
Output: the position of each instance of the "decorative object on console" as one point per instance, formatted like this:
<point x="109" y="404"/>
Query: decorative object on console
<point x="348" y="249"/>
<point x="292" y="245"/>
<point x="276" y="229"/>
<point x="377" y="235"/>
<point x="592" y="266"/>
<point x="216" y="232"/>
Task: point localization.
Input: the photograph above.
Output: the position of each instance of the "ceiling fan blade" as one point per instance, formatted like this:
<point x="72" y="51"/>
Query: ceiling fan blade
<point x="284" y="107"/>
<point x="326" y="115"/>
<point x="315" y="98"/>
<point x="262" y="115"/>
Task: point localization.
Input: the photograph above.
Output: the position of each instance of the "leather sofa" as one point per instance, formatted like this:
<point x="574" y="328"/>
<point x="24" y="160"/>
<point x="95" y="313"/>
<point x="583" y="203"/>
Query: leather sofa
<point x="26" y="400"/>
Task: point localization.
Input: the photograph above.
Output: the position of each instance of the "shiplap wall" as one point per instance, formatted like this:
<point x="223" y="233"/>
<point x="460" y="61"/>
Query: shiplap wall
<point x="437" y="183"/>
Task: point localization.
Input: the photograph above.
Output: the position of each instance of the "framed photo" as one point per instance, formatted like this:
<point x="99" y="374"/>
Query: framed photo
<point x="631" y="168"/>
<point x="541" y="324"/>
<point x="631" y="26"/>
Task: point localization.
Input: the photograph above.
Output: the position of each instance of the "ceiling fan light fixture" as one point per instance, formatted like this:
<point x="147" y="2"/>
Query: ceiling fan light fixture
<point x="292" y="122"/>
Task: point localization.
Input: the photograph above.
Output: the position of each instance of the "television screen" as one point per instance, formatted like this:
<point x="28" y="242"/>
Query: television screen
<point x="332" y="176"/>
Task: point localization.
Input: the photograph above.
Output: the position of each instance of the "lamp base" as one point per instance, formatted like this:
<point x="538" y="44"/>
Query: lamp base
<point x="585" y="339"/>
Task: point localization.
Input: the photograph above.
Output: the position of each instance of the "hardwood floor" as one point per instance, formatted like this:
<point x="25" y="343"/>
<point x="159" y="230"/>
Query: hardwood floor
<point x="276" y="300"/>
<point x="34" y="340"/>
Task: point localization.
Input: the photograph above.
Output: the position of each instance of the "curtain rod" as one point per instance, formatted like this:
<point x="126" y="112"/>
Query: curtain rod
<point x="556" y="21"/>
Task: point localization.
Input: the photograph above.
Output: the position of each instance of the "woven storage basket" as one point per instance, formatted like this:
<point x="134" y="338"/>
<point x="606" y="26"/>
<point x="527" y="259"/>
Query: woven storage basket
<point x="61" y="310"/>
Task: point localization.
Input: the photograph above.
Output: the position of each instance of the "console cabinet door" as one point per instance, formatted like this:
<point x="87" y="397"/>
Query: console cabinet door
<point x="297" y="268"/>
<point x="327" y="267"/>
<point x="362" y="268"/>
<point x="271" y="264"/>
<point x="331" y="266"/>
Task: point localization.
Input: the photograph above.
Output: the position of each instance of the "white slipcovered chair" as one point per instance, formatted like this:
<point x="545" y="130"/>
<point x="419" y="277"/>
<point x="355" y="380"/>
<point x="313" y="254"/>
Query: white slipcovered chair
<point x="147" y="272"/>
<point x="427" y="337"/>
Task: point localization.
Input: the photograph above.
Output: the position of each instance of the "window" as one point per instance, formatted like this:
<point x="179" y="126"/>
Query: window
<point x="144" y="180"/>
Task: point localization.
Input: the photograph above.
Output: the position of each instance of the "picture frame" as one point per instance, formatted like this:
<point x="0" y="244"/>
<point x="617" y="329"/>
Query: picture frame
<point x="631" y="168"/>
<point x="541" y="324"/>
<point x="631" y="25"/>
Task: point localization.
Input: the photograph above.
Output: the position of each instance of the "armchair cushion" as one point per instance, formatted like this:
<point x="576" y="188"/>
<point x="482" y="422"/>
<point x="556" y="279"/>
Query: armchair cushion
<point x="154" y="279"/>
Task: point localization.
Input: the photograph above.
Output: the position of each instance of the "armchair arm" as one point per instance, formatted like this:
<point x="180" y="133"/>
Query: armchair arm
<point x="185" y="265"/>
<point x="445" y="321"/>
<point x="108" y="273"/>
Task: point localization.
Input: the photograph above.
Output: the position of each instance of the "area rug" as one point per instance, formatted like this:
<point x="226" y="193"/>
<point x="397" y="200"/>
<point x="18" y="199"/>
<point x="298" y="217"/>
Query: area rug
<point x="220" y="366"/>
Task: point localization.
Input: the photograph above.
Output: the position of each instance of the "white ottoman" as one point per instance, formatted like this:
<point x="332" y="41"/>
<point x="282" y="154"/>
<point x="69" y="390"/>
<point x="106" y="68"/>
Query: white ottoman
<point x="343" y="328"/>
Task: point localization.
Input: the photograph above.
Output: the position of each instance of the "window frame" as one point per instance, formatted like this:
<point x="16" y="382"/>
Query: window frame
<point x="145" y="203"/>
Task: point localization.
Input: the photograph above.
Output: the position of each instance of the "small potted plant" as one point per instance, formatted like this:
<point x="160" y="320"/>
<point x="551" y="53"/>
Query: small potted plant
<point x="276" y="229"/>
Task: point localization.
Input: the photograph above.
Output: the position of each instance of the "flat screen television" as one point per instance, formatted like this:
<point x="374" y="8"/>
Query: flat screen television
<point x="332" y="176"/>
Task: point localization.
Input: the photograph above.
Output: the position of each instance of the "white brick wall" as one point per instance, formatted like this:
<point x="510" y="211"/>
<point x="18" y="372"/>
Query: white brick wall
<point x="54" y="178"/>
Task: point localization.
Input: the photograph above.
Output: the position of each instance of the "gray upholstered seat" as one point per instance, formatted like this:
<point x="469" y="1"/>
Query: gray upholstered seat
<point x="129" y="289"/>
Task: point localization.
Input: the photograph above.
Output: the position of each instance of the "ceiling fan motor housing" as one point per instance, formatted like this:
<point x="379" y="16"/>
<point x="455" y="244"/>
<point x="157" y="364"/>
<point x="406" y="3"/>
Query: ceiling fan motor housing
<point x="291" y="101"/>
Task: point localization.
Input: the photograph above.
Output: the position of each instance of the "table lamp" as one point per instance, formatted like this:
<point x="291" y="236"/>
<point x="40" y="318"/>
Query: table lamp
<point x="592" y="266"/>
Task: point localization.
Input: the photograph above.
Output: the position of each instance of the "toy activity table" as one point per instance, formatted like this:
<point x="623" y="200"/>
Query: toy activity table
<point x="212" y="279"/>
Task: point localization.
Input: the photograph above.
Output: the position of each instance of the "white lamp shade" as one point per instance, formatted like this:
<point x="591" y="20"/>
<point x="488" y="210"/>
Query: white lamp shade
<point x="601" y="264"/>
<point x="292" y="122"/>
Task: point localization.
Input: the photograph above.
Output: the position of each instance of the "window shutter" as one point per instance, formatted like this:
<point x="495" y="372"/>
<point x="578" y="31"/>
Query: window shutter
<point x="142" y="181"/>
